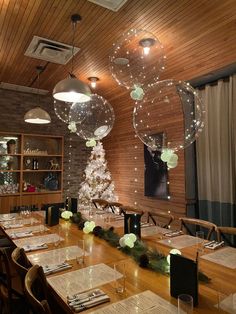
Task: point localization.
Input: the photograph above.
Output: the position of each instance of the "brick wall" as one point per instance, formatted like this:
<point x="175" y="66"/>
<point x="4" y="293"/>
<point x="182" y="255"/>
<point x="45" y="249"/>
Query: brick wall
<point x="13" y="106"/>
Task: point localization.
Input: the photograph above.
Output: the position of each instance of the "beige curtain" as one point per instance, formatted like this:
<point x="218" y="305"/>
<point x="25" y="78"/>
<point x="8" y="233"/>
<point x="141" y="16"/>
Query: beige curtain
<point x="216" y="149"/>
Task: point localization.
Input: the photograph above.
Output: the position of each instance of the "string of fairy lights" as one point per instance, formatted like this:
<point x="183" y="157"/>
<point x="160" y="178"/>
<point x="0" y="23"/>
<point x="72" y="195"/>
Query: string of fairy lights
<point x="135" y="173"/>
<point x="69" y="165"/>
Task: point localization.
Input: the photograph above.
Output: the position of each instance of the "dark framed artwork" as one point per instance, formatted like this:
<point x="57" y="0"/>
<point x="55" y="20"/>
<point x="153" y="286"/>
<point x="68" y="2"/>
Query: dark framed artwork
<point x="155" y="172"/>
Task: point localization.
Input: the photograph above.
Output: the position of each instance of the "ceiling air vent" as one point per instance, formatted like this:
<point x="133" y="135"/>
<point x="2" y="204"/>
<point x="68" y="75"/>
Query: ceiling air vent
<point x="113" y="5"/>
<point x="49" y="50"/>
<point x="24" y="89"/>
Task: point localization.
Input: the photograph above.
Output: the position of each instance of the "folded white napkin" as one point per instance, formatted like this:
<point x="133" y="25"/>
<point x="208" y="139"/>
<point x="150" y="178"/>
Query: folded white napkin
<point x="21" y="234"/>
<point x="83" y="301"/>
<point x="9" y="226"/>
<point x="146" y="224"/>
<point x="92" y="303"/>
<point x="51" y="269"/>
<point x="7" y="218"/>
<point x="213" y="245"/>
<point x="173" y="233"/>
<point x="29" y="248"/>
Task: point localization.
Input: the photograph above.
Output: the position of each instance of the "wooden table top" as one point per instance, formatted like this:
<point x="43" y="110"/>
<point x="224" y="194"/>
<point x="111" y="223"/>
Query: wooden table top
<point x="138" y="279"/>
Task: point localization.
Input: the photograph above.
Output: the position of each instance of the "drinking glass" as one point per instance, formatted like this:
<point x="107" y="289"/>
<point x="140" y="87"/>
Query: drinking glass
<point x="31" y="220"/>
<point x="41" y="228"/>
<point x="106" y="219"/>
<point x="185" y="304"/>
<point x="120" y="278"/>
<point x="91" y="213"/>
<point x="200" y="241"/>
<point x="81" y="252"/>
<point x="57" y="237"/>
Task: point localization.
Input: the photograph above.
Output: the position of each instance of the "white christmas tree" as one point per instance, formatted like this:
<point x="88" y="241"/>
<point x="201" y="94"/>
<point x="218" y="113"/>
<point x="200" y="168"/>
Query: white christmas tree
<point x="97" y="182"/>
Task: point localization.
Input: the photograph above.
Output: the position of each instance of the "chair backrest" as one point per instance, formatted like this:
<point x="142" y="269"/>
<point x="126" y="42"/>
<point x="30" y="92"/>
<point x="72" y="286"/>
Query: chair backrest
<point x="100" y="203"/>
<point x="21" y="263"/>
<point x="5" y="269"/>
<point x="114" y="205"/>
<point x="223" y="231"/>
<point x="185" y="222"/>
<point x="130" y="209"/>
<point x="161" y="219"/>
<point x="36" y="290"/>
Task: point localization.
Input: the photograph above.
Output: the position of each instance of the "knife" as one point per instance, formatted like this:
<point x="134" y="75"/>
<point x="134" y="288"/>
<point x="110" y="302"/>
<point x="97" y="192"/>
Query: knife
<point x="84" y="300"/>
<point x="88" y="305"/>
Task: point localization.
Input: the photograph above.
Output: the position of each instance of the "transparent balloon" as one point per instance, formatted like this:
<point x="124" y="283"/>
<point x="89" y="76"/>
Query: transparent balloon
<point x="99" y="118"/>
<point x="62" y="110"/>
<point x="173" y="110"/>
<point x="64" y="113"/>
<point x="78" y="112"/>
<point x="137" y="60"/>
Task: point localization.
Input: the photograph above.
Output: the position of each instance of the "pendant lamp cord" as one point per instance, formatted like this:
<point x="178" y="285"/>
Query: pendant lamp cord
<point x="38" y="87"/>
<point x="73" y="46"/>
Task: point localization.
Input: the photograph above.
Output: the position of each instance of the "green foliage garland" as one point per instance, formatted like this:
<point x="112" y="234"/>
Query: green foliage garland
<point x="146" y="257"/>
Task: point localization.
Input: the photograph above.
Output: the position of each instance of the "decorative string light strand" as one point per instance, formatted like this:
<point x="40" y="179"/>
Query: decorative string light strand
<point x="135" y="173"/>
<point x="69" y="165"/>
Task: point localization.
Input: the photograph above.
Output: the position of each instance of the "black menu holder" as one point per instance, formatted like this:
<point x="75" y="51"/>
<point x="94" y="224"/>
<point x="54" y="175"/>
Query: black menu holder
<point x="52" y="215"/>
<point x="183" y="277"/>
<point x="132" y="224"/>
<point x="74" y="204"/>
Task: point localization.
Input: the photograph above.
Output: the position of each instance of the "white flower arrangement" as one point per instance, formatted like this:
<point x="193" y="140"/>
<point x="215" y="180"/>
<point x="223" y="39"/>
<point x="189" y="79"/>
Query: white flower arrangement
<point x="72" y="127"/>
<point x="128" y="240"/>
<point x="66" y="214"/>
<point x="170" y="157"/>
<point x="88" y="226"/>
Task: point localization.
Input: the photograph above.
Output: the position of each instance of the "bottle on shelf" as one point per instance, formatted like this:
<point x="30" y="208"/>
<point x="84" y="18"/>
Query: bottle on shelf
<point x="35" y="164"/>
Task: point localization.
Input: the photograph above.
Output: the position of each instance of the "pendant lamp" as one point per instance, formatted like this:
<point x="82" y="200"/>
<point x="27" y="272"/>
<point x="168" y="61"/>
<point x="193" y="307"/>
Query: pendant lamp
<point x="71" y="89"/>
<point x="37" y="115"/>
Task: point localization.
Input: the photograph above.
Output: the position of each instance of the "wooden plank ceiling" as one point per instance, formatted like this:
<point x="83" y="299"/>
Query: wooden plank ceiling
<point x="198" y="36"/>
<point x="189" y="30"/>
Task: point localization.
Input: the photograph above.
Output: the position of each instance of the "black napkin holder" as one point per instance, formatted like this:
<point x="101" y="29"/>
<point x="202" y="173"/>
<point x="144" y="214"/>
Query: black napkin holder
<point x="132" y="224"/>
<point x="183" y="277"/>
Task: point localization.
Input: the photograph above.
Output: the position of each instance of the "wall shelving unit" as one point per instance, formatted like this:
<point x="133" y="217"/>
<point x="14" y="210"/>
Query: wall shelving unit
<point x="17" y="173"/>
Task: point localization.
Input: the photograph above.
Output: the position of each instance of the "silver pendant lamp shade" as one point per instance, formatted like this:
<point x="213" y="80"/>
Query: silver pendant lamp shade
<point x="37" y="116"/>
<point x="71" y="89"/>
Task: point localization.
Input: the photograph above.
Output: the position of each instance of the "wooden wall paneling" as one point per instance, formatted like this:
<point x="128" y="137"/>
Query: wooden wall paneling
<point x="122" y="147"/>
<point x="7" y="202"/>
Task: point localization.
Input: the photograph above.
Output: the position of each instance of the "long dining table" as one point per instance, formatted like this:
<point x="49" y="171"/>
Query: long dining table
<point x="100" y="253"/>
